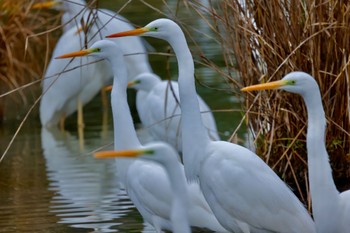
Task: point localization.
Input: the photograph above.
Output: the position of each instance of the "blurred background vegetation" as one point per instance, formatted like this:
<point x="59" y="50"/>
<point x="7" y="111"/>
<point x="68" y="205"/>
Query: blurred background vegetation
<point x="21" y="48"/>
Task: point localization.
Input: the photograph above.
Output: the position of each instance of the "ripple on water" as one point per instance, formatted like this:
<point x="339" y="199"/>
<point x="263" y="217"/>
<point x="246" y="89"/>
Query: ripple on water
<point x="86" y="190"/>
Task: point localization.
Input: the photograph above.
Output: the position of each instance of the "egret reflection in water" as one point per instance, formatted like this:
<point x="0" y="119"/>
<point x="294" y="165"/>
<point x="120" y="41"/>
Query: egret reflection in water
<point x="86" y="190"/>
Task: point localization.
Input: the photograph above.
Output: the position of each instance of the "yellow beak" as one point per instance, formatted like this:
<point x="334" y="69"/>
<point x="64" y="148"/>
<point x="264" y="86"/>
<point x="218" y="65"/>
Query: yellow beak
<point x="119" y="153"/>
<point x="134" y="32"/>
<point x="49" y="4"/>
<point x="132" y="83"/>
<point x="265" y="86"/>
<point x="76" y="53"/>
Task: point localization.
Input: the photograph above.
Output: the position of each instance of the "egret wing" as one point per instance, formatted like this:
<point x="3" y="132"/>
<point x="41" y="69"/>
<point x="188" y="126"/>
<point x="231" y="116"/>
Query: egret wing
<point x="244" y="187"/>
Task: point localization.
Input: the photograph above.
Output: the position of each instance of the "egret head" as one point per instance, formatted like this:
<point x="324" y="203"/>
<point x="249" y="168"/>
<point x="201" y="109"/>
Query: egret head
<point x="157" y="152"/>
<point x="144" y="81"/>
<point x="161" y="28"/>
<point x="100" y="49"/>
<point x="295" y="82"/>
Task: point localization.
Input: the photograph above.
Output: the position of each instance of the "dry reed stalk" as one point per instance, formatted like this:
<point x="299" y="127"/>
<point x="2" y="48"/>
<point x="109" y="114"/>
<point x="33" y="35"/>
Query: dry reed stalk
<point x="266" y="39"/>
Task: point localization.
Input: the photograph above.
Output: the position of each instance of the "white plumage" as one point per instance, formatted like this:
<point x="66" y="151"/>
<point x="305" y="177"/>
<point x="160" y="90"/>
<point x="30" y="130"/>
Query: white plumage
<point x="63" y="93"/>
<point x="160" y="111"/>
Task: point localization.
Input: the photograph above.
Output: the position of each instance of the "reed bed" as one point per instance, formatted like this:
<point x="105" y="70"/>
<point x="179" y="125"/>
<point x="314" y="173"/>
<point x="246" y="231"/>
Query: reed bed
<point x="20" y="48"/>
<point x="265" y="40"/>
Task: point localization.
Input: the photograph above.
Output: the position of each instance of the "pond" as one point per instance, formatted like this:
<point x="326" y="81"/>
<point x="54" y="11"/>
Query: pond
<point x="49" y="181"/>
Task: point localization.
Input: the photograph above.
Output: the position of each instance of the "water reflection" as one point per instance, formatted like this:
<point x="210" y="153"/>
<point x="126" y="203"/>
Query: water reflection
<point x="86" y="191"/>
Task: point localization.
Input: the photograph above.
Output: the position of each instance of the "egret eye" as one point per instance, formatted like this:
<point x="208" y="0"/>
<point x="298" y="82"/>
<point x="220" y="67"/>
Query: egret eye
<point x="96" y="50"/>
<point x="292" y="82"/>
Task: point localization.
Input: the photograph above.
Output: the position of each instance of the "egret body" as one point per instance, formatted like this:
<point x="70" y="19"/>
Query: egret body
<point x="167" y="157"/>
<point x="331" y="209"/>
<point x="69" y="85"/>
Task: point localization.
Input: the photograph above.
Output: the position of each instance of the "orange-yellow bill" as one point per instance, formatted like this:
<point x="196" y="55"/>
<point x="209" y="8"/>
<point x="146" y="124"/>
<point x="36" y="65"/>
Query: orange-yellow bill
<point x="48" y="4"/>
<point x="132" y="83"/>
<point x="133" y="32"/>
<point x="120" y="153"/>
<point x="265" y="86"/>
<point x="76" y="54"/>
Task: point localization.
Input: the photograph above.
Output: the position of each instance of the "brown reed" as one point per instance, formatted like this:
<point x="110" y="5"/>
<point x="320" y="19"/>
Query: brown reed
<point x="20" y="49"/>
<point x="266" y="39"/>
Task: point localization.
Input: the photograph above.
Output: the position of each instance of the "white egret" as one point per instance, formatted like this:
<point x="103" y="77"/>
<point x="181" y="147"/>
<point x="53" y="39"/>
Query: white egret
<point x="67" y="88"/>
<point x="331" y="209"/>
<point x="146" y="183"/>
<point x="160" y="111"/>
<point x="243" y="192"/>
<point x="63" y="94"/>
<point x="106" y="21"/>
<point x="167" y="157"/>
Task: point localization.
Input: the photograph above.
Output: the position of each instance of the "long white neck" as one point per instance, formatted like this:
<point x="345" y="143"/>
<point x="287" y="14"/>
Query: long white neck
<point x="192" y="127"/>
<point x="324" y="194"/>
<point x="125" y="136"/>
<point x="124" y="132"/>
<point x="179" y="214"/>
